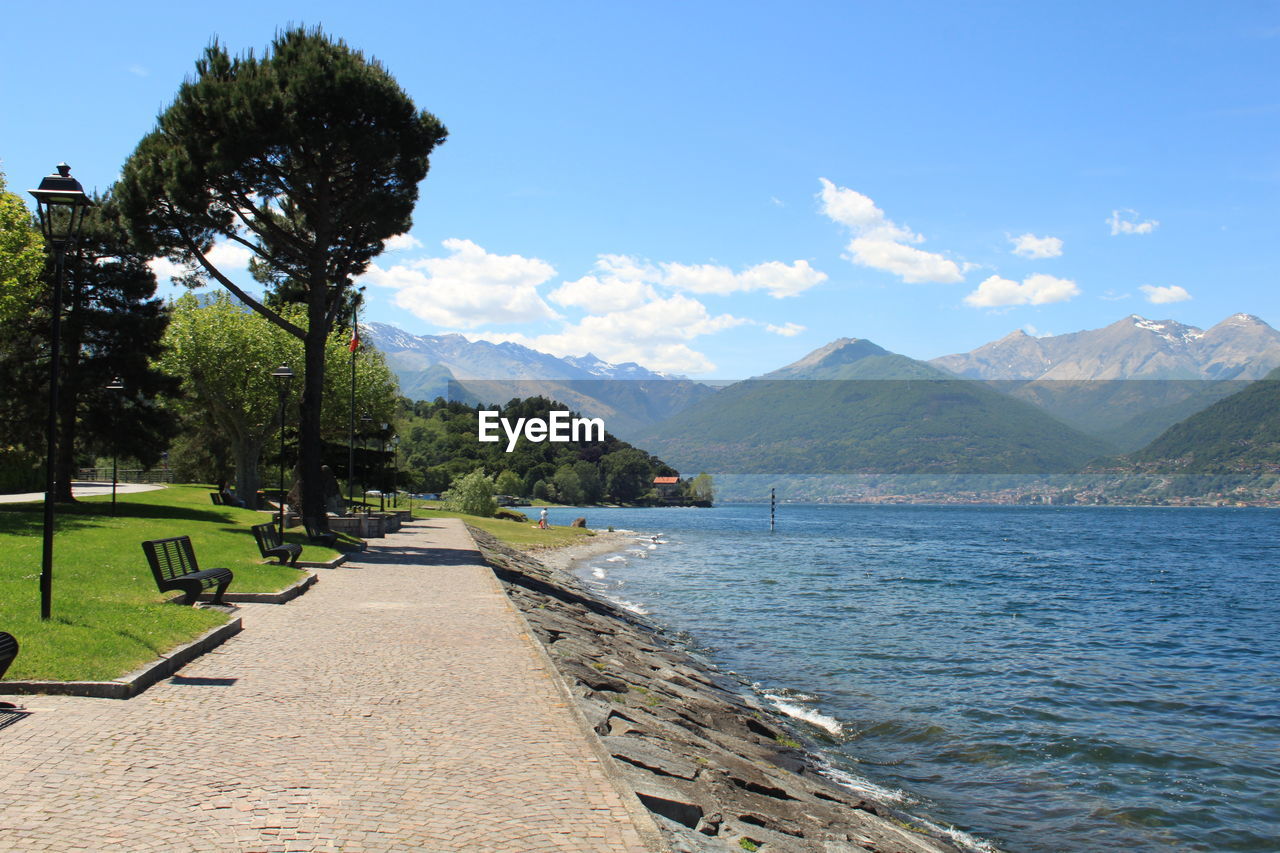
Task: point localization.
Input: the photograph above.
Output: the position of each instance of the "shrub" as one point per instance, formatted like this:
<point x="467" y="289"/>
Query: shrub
<point x="472" y="494"/>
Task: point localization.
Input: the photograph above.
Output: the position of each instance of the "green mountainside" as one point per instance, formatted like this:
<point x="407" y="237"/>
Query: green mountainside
<point x="853" y="407"/>
<point x="1239" y="434"/>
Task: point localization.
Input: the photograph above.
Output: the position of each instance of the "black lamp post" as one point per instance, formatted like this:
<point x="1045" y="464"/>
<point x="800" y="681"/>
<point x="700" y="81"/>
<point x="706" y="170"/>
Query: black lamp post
<point x="114" y="385"/>
<point x="365" y="420"/>
<point x="60" y="204"/>
<point x="395" y="471"/>
<point x="382" y="466"/>
<point x="283" y="376"/>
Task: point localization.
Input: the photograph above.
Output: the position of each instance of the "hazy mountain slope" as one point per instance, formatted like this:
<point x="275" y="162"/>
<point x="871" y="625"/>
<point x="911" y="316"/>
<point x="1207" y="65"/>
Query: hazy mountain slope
<point x="1238" y="433"/>
<point x="629" y="397"/>
<point x="853" y="407"/>
<point x="1129" y="381"/>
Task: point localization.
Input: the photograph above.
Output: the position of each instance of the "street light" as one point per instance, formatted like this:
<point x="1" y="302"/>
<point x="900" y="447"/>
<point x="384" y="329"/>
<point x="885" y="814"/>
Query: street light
<point x="60" y="204"/>
<point x="365" y="420"/>
<point x="114" y="385"/>
<point x="395" y="471"/>
<point x="382" y="459"/>
<point x="283" y="376"/>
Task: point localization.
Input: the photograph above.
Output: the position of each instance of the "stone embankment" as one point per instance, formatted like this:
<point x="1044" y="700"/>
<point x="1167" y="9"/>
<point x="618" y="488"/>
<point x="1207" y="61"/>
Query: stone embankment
<point x="718" y="770"/>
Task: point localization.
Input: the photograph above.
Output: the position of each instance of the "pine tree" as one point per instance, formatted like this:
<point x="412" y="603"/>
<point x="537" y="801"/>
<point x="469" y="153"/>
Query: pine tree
<point x="310" y="157"/>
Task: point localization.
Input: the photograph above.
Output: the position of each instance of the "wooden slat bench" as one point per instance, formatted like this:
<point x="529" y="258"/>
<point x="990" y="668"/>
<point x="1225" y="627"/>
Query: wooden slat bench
<point x="8" y="650"/>
<point x="173" y="562"/>
<point x="216" y="497"/>
<point x="270" y="545"/>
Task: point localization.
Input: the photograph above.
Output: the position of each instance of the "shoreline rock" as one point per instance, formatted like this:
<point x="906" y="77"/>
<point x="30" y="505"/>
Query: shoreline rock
<point x="717" y="769"/>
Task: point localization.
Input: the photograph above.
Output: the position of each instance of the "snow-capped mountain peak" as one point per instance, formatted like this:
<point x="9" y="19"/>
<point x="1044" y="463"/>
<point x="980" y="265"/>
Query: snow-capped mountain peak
<point x="1172" y="331"/>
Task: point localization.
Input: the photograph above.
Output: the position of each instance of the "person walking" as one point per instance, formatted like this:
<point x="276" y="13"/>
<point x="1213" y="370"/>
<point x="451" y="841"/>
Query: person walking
<point x="542" y="519"/>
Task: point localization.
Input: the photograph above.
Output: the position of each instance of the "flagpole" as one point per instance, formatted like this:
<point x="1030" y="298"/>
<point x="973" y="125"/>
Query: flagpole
<point x="351" y="437"/>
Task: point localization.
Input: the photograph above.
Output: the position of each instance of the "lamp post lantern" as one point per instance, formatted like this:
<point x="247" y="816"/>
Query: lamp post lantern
<point x="60" y="204"/>
<point x="283" y="375"/>
<point x="114" y="385"/>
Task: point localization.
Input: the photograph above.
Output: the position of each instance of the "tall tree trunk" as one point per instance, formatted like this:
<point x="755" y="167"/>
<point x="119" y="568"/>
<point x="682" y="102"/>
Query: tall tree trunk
<point x="248" y="453"/>
<point x="309" y="440"/>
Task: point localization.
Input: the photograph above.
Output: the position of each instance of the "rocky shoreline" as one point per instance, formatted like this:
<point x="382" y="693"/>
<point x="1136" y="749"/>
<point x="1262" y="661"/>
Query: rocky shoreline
<point x="717" y="770"/>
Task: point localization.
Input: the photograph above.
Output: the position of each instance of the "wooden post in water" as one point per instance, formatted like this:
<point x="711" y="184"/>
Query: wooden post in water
<point x="773" y="502"/>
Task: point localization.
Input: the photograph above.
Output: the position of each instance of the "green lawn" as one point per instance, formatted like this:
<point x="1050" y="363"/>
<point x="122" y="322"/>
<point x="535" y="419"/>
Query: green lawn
<point x="523" y="535"/>
<point x="108" y="618"/>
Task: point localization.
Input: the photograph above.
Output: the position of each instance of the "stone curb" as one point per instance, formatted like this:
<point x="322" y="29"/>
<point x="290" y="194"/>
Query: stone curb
<point x="289" y="593"/>
<point x="131" y="685"/>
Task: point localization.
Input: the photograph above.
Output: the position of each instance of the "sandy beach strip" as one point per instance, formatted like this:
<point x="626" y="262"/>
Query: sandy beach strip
<point x="604" y="542"/>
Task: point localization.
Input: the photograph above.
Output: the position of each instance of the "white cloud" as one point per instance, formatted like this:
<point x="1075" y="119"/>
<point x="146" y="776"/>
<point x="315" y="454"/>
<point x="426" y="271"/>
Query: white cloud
<point x="880" y="243"/>
<point x="1126" y="222"/>
<point x="912" y="265"/>
<point x="139" y="70"/>
<point x="1112" y="296"/>
<point x="166" y="269"/>
<point x="469" y="288"/>
<point x="1031" y="246"/>
<point x="997" y="292"/>
<point x="229" y="256"/>
<point x="779" y="280"/>
<point x="654" y="334"/>
<point x="401" y="242"/>
<point x="787" y="330"/>
<point x="618" y="282"/>
<point x="1162" y="295"/>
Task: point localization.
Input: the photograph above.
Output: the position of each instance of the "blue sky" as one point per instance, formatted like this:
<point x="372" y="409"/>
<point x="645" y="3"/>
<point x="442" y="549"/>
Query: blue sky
<point x="718" y="188"/>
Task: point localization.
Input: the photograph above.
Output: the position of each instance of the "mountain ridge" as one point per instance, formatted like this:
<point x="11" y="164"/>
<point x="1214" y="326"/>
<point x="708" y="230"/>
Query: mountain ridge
<point x="1242" y="346"/>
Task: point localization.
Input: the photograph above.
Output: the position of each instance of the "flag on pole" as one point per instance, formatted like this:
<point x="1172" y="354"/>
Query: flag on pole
<point x="355" y="340"/>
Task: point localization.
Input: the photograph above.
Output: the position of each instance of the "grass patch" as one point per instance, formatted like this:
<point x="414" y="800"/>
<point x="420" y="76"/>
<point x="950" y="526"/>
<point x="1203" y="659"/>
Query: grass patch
<point x="522" y="535"/>
<point x="108" y="618"/>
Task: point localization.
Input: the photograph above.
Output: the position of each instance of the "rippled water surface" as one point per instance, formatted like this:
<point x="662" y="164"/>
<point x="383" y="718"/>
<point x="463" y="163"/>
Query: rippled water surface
<point x="1046" y="679"/>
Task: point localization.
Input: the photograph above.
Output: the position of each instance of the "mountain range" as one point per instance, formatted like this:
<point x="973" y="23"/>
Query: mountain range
<point x="628" y="396"/>
<point x="1240" y="347"/>
<point x="1127" y="382"/>
<point x="1038" y="403"/>
<point x="853" y="407"/>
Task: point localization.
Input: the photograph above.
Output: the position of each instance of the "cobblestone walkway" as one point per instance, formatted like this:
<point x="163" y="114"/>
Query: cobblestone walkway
<point x="398" y="705"/>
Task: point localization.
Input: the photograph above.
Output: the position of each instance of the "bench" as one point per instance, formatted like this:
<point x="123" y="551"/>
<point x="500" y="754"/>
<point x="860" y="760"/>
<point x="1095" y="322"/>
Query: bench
<point x="173" y="562"/>
<point x="317" y="534"/>
<point x="216" y="497"/>
<point x="8" y="651"/>
<point x="270" y="545"/>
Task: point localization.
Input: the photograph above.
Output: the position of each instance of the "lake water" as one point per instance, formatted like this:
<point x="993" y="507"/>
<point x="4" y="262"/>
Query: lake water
<point x="1041" y="678"/>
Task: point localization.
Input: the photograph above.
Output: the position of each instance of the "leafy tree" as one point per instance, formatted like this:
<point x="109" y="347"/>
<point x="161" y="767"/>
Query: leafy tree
<point x="627" y="474"/>
<point x="224" y="354"/>
<point x="509" y="483"/>
<point x="22" y="256"/>
<point x="310" y="158"/>
<point x="540" y="491"/>
<point x="113" y="328"/>
<point x="701" y="488"/>
<point x="568" y="486"/>
<point x="472" y="494"/>
<point x="589" y="481"/>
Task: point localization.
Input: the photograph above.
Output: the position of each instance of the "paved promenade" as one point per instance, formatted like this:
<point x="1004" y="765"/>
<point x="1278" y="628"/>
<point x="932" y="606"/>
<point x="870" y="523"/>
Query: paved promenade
<point x="398" y="705"/>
